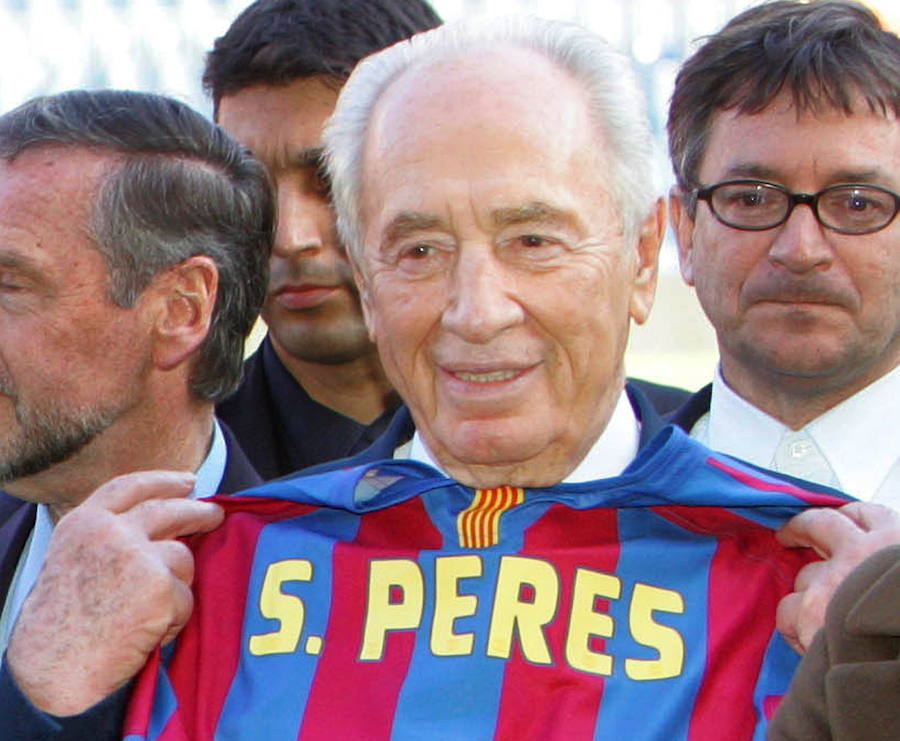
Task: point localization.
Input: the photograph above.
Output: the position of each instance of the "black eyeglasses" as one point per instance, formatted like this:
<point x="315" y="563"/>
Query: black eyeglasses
<point x="755" y="205"/>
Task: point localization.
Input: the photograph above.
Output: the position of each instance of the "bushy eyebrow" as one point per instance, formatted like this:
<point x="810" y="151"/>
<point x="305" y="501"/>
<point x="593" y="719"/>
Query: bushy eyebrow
<point x="407" y="223"/>
<point x="858" y="176"/>
<point x="534" y="212"/>
<point x="750" y="171"/>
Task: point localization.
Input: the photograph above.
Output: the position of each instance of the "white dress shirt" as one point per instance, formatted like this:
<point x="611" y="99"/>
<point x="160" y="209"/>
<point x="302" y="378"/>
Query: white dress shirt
<point x="614" y="450"/>
<point x="855" y="446"/>
<point x="209" y="476"/>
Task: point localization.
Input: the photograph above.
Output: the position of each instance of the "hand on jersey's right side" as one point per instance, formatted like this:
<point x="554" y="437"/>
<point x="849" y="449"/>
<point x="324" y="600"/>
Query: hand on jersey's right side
<point x="844" y="538"/>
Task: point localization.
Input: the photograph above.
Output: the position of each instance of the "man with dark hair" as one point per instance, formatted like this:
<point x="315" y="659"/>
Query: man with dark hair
<point x="315" y="390"/>
<point x="785" y="140"/>
<point x="134" y="240"/>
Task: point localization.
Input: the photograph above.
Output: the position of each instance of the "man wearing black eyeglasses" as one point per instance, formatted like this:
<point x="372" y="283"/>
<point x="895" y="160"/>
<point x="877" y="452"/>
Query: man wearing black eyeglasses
<point x="785" y="141"/>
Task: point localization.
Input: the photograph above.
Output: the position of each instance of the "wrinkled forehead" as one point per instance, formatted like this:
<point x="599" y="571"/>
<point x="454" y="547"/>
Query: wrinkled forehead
<point x="455" y="116"/>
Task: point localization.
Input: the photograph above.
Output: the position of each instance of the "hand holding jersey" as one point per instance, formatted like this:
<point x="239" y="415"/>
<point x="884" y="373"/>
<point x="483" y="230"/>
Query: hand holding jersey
<point x="844" y="538"/>
<point x="116" y="583"/>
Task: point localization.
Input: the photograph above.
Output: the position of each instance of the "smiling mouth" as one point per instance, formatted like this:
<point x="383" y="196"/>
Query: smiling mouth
<point x="490" y="377"/>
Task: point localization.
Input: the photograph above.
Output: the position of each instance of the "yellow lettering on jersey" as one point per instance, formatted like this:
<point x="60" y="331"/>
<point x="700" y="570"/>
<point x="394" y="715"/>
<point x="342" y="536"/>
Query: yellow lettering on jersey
<point x="585" y="621"/>
<point x="646" y="600"/>
<point x="449" y="604"/>
<point x="390" y="578"/>
<point x="287" y="609"/>
<point x="513" y="612"/>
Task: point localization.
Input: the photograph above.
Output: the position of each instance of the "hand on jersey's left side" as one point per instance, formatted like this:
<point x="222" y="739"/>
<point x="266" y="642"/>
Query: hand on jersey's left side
<point x="115" y="584"/>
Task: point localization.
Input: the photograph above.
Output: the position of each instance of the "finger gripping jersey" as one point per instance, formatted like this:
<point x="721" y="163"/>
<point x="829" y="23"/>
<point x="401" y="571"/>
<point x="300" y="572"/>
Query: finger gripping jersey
<point x="637" y="607"/>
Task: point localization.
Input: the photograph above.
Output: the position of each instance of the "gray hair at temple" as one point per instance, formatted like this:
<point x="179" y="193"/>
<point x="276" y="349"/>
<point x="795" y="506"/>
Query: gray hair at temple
<point x="179" y="187"/>
<point x="618" y="106"/>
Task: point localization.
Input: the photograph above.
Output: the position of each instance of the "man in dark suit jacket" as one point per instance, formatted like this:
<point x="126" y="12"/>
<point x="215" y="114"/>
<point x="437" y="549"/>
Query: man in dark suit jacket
<point x="134" y="238"/>
<point x="801" y="291"/>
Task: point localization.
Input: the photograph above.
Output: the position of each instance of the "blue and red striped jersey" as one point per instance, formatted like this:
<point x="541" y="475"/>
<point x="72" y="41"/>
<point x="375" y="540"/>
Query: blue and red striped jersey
<point x="386" y="601"/>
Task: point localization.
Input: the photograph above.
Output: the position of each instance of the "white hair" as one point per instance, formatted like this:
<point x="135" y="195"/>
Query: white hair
<point x="616" y="100"/>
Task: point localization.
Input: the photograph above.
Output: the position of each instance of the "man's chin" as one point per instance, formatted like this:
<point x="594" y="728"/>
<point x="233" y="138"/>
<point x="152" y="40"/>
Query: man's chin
<point x="313" y="342"/>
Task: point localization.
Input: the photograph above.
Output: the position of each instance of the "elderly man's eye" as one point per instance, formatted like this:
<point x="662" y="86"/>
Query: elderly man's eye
<point x="533" y="240"/>
<point x="421" y="258"/>
<point x="533" y="246"/>
<point x="417" y="251"/>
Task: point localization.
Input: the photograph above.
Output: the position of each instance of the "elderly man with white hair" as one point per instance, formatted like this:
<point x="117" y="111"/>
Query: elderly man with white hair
<point x="523" y="567"/>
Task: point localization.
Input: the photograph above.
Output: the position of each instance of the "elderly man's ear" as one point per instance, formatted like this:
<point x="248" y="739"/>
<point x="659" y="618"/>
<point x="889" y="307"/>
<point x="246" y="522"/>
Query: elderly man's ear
<point x="646" y="272"/>
<point x="184" y="297"/>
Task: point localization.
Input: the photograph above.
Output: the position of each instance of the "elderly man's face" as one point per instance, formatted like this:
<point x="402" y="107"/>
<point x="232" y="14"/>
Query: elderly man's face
<point x="798" y="305"/>
<point x="496" y="279"/>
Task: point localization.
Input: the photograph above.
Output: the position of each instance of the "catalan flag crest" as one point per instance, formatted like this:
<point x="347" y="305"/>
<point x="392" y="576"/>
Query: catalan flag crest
<point x="479" y="524"/>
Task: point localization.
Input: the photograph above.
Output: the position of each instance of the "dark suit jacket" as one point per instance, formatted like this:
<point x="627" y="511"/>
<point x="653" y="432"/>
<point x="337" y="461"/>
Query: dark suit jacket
<point x="17" y="516"/>
<point x="16" y="521"/>
<point x="281" y="428"/>
<point x="664" y="399"/>
<point x="691" y="409"/>
<point x="848" y="685"/>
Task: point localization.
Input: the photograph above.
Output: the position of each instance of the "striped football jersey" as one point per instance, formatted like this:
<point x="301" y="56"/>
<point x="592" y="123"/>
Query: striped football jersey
<point x="386" y="601"/>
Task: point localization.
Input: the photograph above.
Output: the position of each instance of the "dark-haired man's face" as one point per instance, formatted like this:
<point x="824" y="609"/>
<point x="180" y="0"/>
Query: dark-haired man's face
<point x="799" y="304"/>
<point x="312" y="308"/>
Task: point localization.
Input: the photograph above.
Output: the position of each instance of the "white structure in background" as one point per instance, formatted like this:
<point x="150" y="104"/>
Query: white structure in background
<point x="53" y="45"/>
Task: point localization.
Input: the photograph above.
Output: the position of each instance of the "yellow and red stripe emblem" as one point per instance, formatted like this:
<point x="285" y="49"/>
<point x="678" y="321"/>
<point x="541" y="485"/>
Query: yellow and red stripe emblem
<point x="479" y="524"/>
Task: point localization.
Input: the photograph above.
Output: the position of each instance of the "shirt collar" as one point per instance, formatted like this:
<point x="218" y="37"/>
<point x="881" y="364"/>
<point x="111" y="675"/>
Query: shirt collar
<point x="212" y="470"/>
<point x="736" y="427"/>
<point x="857" y="437"/>
<point x="611" y="454"/>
